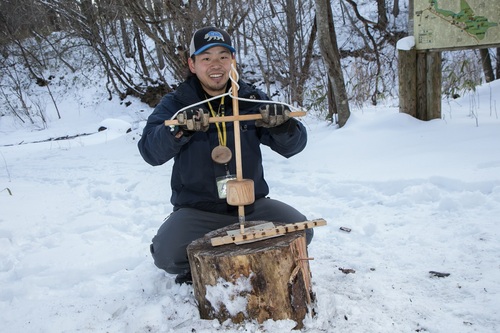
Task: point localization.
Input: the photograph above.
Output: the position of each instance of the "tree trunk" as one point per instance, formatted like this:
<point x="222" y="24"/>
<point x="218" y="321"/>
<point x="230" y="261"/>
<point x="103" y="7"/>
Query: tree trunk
<point x="267" y="279"/>
<point x="156" y="29"/>
<point x="395" y="9"/>
<point x="140" y="51"/>
<point x="487" y="67"/>
<point x="382" y="14"/>
<point x="127" y="44"/>
<point x="306" y="67"/>
<point x="498" y="63"/>
<point x="331" y="56"/>
<point x="332" y="104"/>
<point x="291" y="26"/>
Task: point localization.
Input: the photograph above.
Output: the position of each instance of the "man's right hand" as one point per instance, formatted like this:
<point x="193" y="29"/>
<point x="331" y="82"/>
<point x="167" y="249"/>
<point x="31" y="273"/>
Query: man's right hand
<point x="194" y="120"/>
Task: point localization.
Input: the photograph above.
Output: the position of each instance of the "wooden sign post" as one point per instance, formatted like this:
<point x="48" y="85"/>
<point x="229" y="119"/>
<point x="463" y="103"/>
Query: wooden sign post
<point x="438" y="26"/>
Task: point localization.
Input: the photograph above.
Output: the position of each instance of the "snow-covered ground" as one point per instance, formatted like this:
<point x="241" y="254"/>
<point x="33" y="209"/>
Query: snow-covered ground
<point x="77" y="217"/>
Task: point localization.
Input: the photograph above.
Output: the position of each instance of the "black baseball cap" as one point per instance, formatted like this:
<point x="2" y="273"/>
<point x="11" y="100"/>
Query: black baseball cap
<point x="208" y="37"/>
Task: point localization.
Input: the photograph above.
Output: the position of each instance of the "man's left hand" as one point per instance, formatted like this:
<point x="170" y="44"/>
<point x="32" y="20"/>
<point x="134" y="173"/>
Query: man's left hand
<point x="273" y="115"/>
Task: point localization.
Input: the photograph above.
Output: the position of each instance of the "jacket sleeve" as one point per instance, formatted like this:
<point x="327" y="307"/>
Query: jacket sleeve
<point x="287" y="139"/>
<point x="157" y="144"/>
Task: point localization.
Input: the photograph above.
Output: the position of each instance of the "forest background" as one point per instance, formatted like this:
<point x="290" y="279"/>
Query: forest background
<point x="140" y="46"/>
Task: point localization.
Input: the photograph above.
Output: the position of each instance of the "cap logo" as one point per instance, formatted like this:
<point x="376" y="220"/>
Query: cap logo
<point x="214" y="35"/>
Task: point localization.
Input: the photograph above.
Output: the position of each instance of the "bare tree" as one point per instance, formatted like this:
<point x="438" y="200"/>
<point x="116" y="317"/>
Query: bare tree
<point x="498" y="62"/>
<point x="487" y="66"/>
<point x="142" y="46"/>
<point x="395" y="8"/>
<point x="331" y="56"/>
<point x="283" y="34"/>
<point x="382" y="14"/>
<point x="124" y="29"/>
<point x="26" y="58"/>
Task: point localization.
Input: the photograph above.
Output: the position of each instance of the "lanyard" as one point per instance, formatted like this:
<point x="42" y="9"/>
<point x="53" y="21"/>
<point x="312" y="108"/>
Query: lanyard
<point x="221" y="132"/>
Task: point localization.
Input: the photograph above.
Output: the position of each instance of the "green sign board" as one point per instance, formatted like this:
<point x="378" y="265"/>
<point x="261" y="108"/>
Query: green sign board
<point x="449" y="24"/>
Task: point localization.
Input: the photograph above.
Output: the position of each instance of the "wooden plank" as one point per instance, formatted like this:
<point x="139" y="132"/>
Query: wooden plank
<point x="262" y="234"/>
<point x="237" y="149"/>
<point x="433" y="85"/>
<point x="407" y="73"/>
<point x="421" y="112"/>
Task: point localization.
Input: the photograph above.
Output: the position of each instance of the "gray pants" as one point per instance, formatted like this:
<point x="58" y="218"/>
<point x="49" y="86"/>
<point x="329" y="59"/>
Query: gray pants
<point x="186" y="225"/>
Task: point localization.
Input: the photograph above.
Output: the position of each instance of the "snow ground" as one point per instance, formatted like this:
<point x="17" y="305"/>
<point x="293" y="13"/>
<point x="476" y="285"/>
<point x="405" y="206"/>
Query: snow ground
<point x="77" y="217"/>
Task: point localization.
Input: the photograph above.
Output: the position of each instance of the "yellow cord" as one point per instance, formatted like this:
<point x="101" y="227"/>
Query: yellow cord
<point x="221" y="133"/>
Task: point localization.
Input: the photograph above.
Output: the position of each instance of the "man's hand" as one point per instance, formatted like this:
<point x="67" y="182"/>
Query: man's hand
<point x="273" y="115"/>
<point x="194" y="120"/>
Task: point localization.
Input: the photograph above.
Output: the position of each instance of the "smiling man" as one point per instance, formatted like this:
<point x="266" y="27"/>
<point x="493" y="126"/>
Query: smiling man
<point x="214" y="53"/>
<point x="203" y="152"/>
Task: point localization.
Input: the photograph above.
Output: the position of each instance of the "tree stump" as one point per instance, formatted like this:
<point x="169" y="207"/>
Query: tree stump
<point x="267" y="279"/>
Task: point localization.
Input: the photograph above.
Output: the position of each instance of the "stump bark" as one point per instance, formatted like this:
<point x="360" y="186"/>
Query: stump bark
<point x="267" y="279"/>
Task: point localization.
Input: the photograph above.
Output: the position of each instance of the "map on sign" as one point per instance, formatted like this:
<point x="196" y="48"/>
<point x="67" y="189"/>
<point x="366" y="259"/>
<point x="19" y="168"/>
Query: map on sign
<point x="456" y="23"/>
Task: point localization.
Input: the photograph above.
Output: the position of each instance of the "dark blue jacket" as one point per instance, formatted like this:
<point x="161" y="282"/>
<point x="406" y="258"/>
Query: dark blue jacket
<point x="194" y="172"/>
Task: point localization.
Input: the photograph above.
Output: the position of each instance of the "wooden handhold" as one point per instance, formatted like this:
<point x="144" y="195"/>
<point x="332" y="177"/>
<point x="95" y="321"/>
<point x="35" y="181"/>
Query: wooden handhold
<point x="262" y="234"/>
<point x="240" y="192"/>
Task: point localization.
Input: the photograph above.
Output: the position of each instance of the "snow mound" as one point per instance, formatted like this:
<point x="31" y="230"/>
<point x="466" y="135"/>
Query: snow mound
<point x="116" y="125"/>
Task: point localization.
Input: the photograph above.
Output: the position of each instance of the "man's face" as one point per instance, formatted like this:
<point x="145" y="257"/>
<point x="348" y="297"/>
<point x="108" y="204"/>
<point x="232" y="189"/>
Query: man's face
<point x="212" y="69"/>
